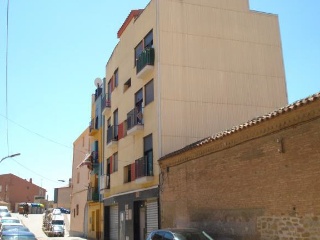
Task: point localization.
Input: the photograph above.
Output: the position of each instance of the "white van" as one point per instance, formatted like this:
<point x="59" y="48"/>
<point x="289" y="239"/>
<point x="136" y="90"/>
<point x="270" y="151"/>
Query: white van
<point x="57" y="226"/>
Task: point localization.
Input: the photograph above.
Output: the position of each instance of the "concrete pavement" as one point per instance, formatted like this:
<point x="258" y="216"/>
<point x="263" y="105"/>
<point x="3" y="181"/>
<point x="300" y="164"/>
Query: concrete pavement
<point x="34" y="223"/>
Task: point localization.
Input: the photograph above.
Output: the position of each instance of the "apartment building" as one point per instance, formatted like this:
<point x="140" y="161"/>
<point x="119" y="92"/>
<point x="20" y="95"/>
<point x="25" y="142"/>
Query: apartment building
<point x="80" y="182"/>
<point x="15" y="190"/>
<point x="181" y="71"/>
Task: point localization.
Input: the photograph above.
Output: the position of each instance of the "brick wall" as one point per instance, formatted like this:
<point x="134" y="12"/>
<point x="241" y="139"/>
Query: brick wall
<point x="259" y="183"/>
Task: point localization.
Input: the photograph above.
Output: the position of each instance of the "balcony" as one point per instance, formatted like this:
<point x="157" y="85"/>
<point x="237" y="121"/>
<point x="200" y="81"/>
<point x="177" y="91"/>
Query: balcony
<point x="106" y="105"/>
<point x="112" y="136"/>
<point x="143" y="169"/>
<point x="134" y="122"/>
<point x="95" y="162"/>
<point x="93" y="127"/>
<point x="93" y="194"/>
<point x="145" y="63"/>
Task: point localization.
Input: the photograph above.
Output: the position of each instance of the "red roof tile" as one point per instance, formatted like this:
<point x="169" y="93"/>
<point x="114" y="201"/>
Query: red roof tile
<point x="133" y="14"/>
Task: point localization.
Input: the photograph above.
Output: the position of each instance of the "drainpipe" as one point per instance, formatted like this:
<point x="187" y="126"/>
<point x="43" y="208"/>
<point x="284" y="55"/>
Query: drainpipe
<point x="159" y="80"/>
<point x="159" y="106"/>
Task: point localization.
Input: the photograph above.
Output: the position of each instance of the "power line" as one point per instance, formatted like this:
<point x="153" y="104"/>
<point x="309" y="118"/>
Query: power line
<point x="39" y="135"/>
<point x="7" y="50"/>
<point x="35" y="172"/>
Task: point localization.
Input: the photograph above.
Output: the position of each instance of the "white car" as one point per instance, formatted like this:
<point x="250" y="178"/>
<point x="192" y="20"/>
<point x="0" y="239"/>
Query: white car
<point x="4" y="225"/>
<point x="56" y="211"/>
<point x="4" y="211"/>
<point x="9" y="220"/>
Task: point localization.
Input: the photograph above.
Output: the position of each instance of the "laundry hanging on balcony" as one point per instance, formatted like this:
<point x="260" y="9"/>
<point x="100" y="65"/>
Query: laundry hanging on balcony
<point x="87" y="161"/>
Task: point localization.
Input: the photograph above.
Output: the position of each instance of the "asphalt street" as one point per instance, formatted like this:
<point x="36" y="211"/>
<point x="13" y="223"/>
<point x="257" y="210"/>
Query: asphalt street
<point x="34" y="223"/>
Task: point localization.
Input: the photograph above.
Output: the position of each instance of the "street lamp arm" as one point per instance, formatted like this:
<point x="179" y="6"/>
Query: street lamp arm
<point x="10" y="156"/>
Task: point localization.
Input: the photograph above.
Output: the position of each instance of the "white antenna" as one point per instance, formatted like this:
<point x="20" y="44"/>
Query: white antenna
<point x="98" y="82"/>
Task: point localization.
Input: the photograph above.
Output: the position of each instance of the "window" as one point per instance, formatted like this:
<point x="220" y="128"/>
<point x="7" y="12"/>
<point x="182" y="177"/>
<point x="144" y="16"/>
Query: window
<point x="116" y="78"/>
<point x="148" y="40"/>
<point x="115" y="124"/>
<point x="149" y="92"/>
<point x="137" y="51"/>
<point x="127" y="85"/>
<point x="127" y="172"/>
<point x="109" y="90"/>
<point x="148" y="154"/>
<point x="138" y="100"/>
<point x="77" y="207"/>
<point x="78" y="177"/>
<point x="115" y="162"/>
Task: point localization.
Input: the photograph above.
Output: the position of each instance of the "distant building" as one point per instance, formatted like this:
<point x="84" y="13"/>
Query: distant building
<point x="15" y="190"/>
<point x="62" y="196"/>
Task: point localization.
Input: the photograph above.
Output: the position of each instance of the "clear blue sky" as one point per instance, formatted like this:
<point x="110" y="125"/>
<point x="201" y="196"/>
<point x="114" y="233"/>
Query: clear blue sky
<point x="56" y="50"/>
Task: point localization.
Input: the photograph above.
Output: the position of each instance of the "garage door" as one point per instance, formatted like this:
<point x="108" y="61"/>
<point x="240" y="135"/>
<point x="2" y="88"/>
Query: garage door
<point x="152" y="216"/>
<point x="114" y="222"/>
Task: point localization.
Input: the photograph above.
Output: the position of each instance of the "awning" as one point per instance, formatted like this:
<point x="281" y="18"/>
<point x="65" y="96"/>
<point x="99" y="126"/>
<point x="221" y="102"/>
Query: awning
<point x="87" y="161"/>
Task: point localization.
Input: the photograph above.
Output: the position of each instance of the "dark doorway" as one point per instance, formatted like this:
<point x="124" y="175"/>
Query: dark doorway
<point x="139" y="220"/>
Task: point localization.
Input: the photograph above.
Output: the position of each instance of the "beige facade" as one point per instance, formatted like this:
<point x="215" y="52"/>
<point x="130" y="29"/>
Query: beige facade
<point x="182" y="70"/>
<point x="80" y="182"/>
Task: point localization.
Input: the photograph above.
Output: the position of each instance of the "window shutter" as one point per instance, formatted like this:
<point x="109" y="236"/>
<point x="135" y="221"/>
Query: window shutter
<point x="133" y="171"/>
<point x="120" y="131"/>
<point x="112" y="84"/>
<point x="111" y="165"/>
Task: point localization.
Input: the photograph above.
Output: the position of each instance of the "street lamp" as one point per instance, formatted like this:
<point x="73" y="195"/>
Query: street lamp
<point x="10" y="156"/>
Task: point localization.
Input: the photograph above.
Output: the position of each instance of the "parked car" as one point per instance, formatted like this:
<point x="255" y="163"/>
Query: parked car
<point x="64" y="210"/>
<point x="56" y="211"/>
<point x="8" y="227"/>
<point x="178" y="234"/>
<point x="4" y="225"/>
<point x="56" y="231"/>
<point x="56" y="226"/>
<point x="12" y="228"/>
<point x="4" y="212"/>
<point x="17" y="234"/>
<point x="9" y="220"/>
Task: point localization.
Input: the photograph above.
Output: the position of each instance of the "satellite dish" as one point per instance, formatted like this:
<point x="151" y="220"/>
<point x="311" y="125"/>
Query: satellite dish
<point x="98" y="82"/>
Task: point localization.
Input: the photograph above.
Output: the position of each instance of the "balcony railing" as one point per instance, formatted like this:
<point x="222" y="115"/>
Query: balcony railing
<point x="106" y="104"/>
<point x="145" y="62"/>
<point x="93" y="194"/>
<point x="95" y="162"/>
<point x="112" y="134"/>
<point x="134" y="118"/>
<point x="144" y="167"/>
